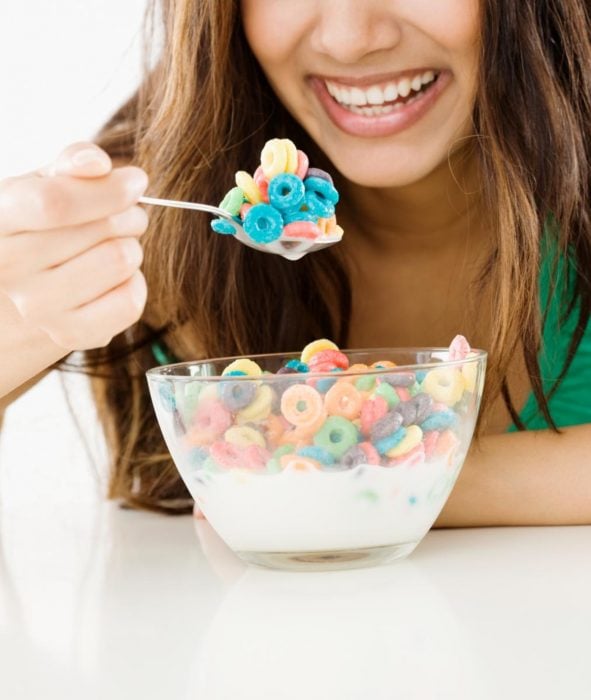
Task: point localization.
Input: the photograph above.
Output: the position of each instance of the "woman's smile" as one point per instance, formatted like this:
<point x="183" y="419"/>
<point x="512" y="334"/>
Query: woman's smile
<point x="381" y="105"/>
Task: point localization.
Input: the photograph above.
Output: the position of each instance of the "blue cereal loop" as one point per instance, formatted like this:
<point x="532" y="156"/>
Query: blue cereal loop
<point x="318" y="453"/>
<point x="286" y="191"/>
<point x="224" y="227"/>
<point x="440" y="420"/>
<point x="317" y="206"/>
<point x="299" y="366"/>
<point x="263" y="223"/>
<point x="167" y="400"/>
<point x="321" y="196"/>
<point x="292" y="215"/>
<point x="388" y="443"/>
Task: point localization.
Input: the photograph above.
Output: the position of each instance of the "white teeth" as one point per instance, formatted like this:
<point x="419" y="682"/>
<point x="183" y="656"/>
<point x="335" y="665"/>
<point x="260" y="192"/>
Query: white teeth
<point x="404" y="87"/>
<point x="391" y="93"/>
<point x="358" y="97"/>
<point x="376" y="97"/>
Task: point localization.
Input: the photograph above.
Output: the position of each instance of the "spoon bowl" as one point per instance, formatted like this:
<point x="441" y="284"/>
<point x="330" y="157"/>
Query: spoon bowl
<point x="291" y="249"/>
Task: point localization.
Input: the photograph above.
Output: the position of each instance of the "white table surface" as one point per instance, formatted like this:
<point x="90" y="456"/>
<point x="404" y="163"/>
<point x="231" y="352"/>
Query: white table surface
<point x="98" y="602"/>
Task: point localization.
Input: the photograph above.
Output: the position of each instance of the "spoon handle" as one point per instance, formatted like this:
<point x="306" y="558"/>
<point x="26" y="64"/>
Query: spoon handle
<point x="185" y="205"/>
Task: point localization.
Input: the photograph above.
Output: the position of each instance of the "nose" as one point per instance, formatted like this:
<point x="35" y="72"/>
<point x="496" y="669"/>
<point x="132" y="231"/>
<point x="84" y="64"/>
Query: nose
<point x="349" y="30"/>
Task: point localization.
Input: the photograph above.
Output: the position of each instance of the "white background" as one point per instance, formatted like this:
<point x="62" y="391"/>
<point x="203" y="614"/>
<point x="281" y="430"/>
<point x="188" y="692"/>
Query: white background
<point x="65" y="65"/>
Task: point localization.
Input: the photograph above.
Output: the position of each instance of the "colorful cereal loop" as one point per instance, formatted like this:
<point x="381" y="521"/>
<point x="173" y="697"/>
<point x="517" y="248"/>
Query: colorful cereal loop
<point x="262" y="183"/>
<point x="343" y="400"/>
<point x="303" y="164"/>
<point x="445" y="384"/>
<point x="263" y="223"/>
<point x="301" y="405"/>
<point x="274" y="158"/>
<point x="259" y="409"/>
<point x="292" y="155"/>
<point x="301" y="230"/>
<point x="233" y="200"/>
<point x="211" y="420"/>
<point x="413" y="437"/>
<point x="249" y="367"/>
<point x="317" y="346"/>
<point x="247" y="184"/>
<point x="286" y="191"/>
<point x="243" y="436"/>
<point x="336" y="436"/>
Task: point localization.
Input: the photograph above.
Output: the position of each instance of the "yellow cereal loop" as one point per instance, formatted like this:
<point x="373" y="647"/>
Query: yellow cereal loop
<point x="292" y="155"/>
<point x="413" y="437"/>
<point x="243" y="436"/>
<point x="444" y="384"/>
<point x="243" y="365"/>
<point x="469" y="373"/>
<point x="274" y="158"/>
<point x="317" y="346"/>
<point x="259" y="409"/>
<point x="247" y="184"/>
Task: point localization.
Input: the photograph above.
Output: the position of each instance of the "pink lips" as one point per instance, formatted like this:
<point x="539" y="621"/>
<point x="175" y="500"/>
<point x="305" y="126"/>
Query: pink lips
<point x="384" y="125"/>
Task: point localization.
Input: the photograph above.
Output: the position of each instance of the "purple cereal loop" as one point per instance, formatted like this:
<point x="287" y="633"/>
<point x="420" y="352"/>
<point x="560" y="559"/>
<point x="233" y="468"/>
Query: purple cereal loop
<point x="322" y="174"/>
<point x="387" y="425"/>
<point x="353" y="457"/>
<point x="399" y="379"/>
<point x="414" y="410"/>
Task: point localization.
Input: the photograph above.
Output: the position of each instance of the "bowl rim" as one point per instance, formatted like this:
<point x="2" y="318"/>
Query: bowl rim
<point x="161" y="372"/>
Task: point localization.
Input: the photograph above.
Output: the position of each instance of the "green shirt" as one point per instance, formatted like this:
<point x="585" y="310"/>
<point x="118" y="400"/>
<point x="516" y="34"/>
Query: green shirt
<point x="571" y="402"/>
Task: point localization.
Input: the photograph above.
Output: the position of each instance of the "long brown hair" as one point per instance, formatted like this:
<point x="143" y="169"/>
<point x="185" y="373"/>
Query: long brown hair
<point x="205" y="105"/>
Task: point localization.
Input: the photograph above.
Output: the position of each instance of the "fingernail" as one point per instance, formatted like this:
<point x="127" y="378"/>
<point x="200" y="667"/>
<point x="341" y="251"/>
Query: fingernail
<point x="137" y="181"/>
<point x="89" y="156"/>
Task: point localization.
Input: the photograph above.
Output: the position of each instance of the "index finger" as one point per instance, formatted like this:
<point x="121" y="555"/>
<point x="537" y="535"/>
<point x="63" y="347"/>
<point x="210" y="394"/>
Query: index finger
<point x="36" y="203"/>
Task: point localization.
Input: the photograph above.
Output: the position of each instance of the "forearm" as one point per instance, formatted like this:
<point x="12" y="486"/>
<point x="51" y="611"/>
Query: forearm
<point x="528" y="478"/>
<point x="25" y="351"/>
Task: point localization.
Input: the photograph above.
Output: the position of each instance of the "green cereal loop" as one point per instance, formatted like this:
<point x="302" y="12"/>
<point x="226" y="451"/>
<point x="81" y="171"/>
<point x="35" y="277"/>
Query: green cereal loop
<point x="366" y="383"/>
<point x="414" y="389"/>
<point x="283" y="450"/>
<point x="388" y="393"/>
<point x="336" y="436"/>
<point x="273" y="466"/>
<point x="368" y="495"/>
<point x="233" y="200"/>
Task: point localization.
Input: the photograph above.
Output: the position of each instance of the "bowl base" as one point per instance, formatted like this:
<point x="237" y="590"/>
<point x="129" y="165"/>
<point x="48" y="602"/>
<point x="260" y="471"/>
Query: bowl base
<point x="327" y="560"/>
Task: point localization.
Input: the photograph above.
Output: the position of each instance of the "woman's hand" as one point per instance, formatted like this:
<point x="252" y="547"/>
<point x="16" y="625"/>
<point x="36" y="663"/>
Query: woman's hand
<point x="69" y="247"/>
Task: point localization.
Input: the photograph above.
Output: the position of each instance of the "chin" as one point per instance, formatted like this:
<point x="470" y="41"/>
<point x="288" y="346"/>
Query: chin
<point x="366" y="173"/>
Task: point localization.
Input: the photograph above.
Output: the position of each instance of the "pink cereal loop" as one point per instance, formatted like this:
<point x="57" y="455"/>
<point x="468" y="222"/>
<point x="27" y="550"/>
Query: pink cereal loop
<point x="262" y="183"/>
<point x="303" y="230"/>
<point x="459" y="348"/>
<point x="303" y="163"/>
<point x="244" y="210"/>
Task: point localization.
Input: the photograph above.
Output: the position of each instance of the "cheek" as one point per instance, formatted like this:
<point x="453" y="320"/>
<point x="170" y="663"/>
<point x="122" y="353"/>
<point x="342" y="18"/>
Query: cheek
<point x="273" y="30"/>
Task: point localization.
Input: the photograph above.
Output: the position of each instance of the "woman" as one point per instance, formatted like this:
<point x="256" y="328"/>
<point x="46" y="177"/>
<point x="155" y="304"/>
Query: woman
<point x="459" y="135"/>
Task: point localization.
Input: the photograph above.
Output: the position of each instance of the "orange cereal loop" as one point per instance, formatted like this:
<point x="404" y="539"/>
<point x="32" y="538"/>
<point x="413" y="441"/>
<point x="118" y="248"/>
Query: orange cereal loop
<point x="301" y="404"/>
<point x="357" y="368"/>
<point x="300" y="464"/>
<point x="275" y="427"/>
<point x="343" y="400"/>
<point x="383" y="364"/>
<point x="305" y="431"/>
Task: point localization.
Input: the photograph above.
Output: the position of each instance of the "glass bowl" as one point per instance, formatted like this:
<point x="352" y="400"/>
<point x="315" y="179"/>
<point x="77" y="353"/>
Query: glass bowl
<point x="326" y="470"/>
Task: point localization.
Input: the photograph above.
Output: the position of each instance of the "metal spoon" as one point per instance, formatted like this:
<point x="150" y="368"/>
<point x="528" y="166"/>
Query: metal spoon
<point x="291" y="249"/>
